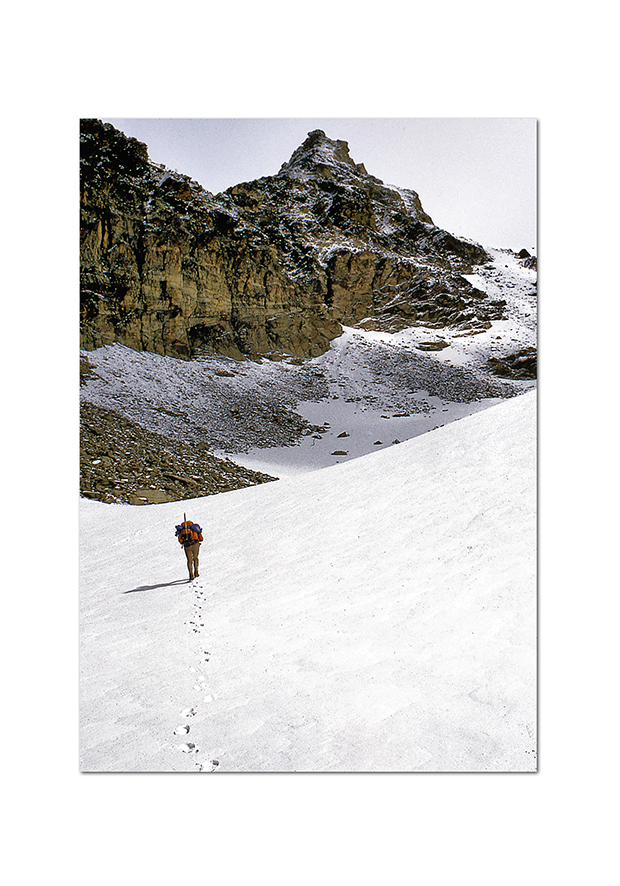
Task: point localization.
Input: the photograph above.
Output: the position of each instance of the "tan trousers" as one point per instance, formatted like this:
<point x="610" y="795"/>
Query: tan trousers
<point x="191" y="552"/>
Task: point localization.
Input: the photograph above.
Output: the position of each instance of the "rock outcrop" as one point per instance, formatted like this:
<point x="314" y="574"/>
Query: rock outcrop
<point x="520" y="365"/>
<point x="268" y="267"/>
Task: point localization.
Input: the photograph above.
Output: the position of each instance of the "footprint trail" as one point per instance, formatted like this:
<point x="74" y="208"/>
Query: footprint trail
<point x="199" y="684"/>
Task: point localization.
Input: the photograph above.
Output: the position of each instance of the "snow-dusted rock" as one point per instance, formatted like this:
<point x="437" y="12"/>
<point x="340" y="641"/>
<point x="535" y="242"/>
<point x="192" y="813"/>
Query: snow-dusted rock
<point x="274" y="266"/>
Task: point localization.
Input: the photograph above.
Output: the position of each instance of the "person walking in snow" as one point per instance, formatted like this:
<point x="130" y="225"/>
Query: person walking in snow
<point x="190" y="535"/>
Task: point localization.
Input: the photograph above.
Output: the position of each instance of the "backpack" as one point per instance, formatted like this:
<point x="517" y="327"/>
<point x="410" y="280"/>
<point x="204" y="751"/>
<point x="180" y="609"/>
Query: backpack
<point x="188" y="533"/>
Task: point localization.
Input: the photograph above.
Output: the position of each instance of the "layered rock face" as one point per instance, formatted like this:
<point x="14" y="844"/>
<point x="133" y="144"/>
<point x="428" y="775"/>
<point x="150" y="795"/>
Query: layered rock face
<point x="269" y="267"/>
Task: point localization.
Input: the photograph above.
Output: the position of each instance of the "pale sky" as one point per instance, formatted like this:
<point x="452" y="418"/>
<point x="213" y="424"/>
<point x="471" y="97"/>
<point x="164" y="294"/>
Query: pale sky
<point x="476" y="177"/>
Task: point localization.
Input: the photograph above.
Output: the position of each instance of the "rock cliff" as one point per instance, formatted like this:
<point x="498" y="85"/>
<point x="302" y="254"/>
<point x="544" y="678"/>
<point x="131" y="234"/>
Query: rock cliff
<point x="269" y="267"/>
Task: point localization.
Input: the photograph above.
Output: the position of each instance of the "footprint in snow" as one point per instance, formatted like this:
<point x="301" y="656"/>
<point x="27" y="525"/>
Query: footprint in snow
<point x="181" y="730"/>
<point x="188" y="712"/>
<point x="188" y="748"/>
<point x="208" y="766"/>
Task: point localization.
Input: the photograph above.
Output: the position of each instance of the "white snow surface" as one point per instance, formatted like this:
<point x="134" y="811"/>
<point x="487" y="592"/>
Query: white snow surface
<point x="377" y="615"/>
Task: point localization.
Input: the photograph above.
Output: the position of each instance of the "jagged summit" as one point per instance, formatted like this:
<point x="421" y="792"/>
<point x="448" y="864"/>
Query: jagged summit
<point x="326" y="162"/>
<point x="273" y="266"/>
<point x="321" y="155"/>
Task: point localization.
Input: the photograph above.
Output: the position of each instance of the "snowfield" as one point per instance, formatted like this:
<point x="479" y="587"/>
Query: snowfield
<point x="377" y="615"/>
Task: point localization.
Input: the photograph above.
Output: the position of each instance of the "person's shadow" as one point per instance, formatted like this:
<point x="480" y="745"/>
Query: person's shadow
<point x="180" y="581"/>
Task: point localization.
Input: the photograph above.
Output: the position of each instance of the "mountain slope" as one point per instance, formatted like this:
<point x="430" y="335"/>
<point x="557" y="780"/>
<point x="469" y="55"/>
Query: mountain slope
<point x="378" y="615"/>
<point x="280" y="416"/>
<point x="275" y="266"/>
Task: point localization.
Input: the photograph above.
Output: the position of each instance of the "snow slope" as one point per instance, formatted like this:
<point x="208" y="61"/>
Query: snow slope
<point x="377" y="615"/>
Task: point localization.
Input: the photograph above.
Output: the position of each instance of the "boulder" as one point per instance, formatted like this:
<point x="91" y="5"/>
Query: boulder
<point x="519" y="365"/>
<point x="432" y="345"/>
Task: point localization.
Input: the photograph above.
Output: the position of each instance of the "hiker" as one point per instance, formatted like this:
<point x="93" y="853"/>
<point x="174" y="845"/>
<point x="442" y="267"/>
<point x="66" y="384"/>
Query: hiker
<point x="190" y="535"/>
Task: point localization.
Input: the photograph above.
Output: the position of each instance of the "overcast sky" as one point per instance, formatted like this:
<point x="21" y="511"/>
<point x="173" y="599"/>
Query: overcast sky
<point x="476" y="177"/>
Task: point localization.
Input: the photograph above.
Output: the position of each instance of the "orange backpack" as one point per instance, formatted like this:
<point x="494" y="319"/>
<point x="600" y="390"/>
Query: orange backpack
<point x="188" y="533"/>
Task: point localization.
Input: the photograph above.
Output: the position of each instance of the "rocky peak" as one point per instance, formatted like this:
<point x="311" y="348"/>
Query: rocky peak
<point x="108" y="159"/>
<point x="323" y="157"/>
<point x="325" y="164"/>
<point x="274" y="266"/>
